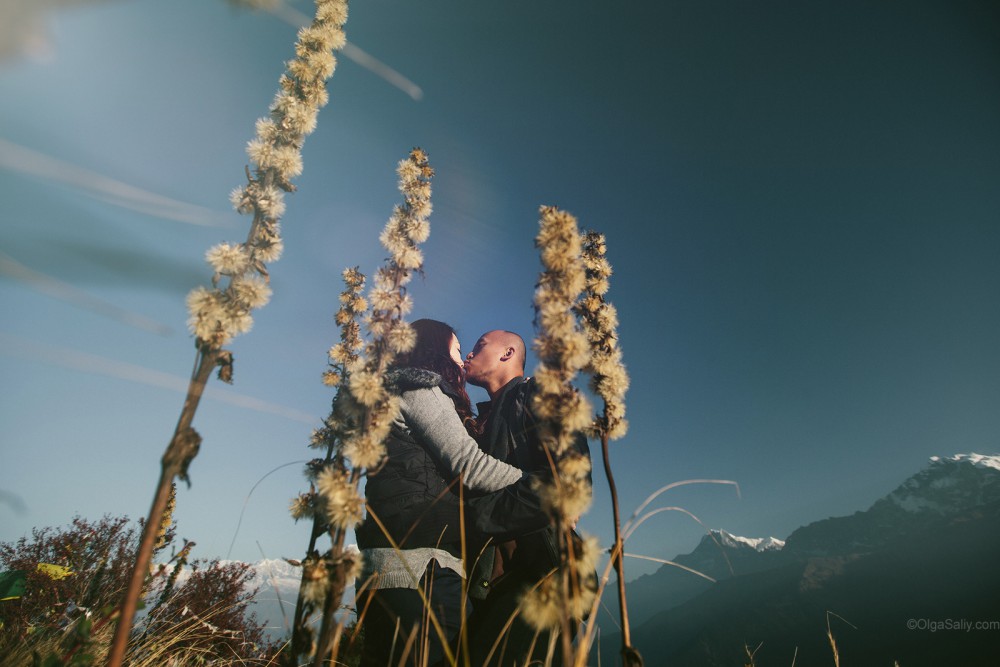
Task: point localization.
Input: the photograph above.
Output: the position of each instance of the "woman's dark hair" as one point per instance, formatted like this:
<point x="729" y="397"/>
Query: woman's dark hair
<point x="432" y="352"/>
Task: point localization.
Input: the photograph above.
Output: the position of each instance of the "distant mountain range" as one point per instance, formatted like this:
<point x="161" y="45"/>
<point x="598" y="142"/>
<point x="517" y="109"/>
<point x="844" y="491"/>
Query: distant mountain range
<point x="906" y="581"/>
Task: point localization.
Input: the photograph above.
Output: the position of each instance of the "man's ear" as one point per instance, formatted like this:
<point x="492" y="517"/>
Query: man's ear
<point x="507" y="355"/>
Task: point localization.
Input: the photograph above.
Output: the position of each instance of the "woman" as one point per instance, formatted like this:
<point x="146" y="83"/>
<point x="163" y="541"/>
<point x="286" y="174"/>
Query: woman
<point x="415" y="498"/>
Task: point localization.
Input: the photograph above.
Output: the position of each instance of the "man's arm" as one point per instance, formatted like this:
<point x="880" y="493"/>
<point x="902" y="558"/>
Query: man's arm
<point x="511" y="511"/>
<point x="517" y="509"/>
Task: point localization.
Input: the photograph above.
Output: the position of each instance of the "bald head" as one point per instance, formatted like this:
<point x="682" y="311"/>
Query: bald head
<point x="497" y="358"/>
<point x="515" y="342"/>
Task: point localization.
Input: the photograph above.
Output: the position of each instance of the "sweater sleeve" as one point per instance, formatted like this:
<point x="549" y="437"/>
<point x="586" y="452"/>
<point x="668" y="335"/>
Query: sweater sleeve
<point x="431" y="417"/>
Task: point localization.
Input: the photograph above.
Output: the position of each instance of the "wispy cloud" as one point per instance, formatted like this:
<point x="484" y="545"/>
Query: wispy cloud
<point x="85" y="362"/>
<point x="296" y="18"/>
<point x="65" y="292"/>
<point x="378" y="67"/>
<point x="28" y="161"/>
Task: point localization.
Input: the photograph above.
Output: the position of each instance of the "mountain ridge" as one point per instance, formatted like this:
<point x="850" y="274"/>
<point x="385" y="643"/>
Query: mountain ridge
<point x="780" y="596"/>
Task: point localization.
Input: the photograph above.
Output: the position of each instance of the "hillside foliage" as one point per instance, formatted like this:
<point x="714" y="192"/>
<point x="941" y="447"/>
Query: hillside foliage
<point x="71" y="579"/>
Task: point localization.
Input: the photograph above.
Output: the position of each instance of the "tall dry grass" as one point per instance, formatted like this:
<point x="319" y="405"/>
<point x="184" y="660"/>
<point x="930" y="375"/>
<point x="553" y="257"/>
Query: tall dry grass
<point x="182" y="642"/>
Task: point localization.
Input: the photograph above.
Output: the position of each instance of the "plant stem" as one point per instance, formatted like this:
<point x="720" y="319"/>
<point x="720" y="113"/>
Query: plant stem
<point x="630" y="656"/>
<point x="298" y="642"/>
<point x="329" y="635"/>
<point x="182" y="448"/>
<point x="330" y="629"/>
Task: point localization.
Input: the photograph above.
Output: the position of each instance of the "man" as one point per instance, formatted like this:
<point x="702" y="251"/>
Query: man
<point x="526" y="548"/>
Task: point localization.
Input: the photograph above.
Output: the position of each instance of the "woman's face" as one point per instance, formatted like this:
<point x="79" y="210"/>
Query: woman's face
<point x="455" y="350"/>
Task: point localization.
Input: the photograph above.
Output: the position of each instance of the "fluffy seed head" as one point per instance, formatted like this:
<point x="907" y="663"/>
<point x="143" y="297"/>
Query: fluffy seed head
<point x="271" y="203"/>
<point x="301" y="506"/>
<point x="240" y="199"/>
<point x="315" y="580"/>
<point x="332" y="11"/>
<point x="341" y="354"/>
<point x="568" y="498"/>
<point x="540" y="605"/>
<point x="421" y="209"/>
<point x="401" y="338"/>
<point x="251" y="291"/>
<point x="367" y="388"/>
<point x="419" y="230"/>
<point x="267" y="130"/>
<point x="206" y="309"/>
<point x="342" y="504"/>
<point x="366" y="450"/>
<point x="228" y="260"/>
<point x="268" y="249"/>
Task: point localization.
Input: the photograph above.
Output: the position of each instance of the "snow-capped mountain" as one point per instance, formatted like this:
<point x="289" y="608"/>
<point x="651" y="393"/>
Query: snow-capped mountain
<point x="758" y="544"/>
<point x="945" y="487"/>
<point x="277" y="575"/>
<point x="950" y="484"/>
<point x="719" y="556"/>
<point x="927" y="548"/>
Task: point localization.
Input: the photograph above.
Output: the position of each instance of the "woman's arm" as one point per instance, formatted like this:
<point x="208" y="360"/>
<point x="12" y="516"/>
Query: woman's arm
<point x="431" y="418"/>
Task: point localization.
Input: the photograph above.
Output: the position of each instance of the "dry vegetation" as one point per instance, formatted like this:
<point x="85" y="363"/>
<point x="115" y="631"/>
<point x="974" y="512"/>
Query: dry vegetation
<point x="74" y="577"/>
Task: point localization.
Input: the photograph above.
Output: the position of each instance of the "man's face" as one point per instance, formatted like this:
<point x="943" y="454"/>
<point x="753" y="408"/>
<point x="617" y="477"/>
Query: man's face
<point x="484" y="360"/>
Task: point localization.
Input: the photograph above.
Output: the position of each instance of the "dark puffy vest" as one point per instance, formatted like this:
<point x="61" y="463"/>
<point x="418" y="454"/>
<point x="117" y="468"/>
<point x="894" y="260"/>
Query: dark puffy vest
<point x="409" y="494"/>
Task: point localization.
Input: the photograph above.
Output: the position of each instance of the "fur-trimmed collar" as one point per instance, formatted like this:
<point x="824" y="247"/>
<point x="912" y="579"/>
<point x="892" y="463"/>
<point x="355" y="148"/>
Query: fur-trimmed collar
<point x="403" y="379"/>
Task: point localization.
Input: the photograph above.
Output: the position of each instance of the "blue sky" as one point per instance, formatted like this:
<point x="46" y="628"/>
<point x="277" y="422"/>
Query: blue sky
<point x="801" y="205"/>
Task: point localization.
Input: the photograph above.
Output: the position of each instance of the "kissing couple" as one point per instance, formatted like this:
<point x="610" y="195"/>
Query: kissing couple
<point x="459" y="524"/>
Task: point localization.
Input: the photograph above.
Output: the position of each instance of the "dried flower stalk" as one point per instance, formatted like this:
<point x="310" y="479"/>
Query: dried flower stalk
<point x="609" y="381"/>
<point x="563" y="351"/>
<point x="223" y="312"/>
<point x="363" y="409"/>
